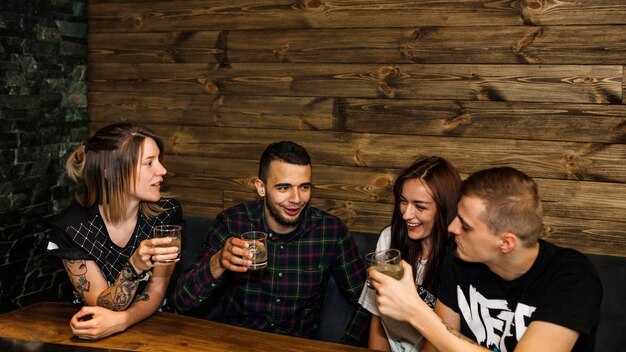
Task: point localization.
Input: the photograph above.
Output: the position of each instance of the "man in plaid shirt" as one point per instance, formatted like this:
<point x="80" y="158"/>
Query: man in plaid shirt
<point x="305" y="247"/>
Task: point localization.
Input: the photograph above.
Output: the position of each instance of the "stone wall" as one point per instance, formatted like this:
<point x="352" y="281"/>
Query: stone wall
<point x="43" y="114"/>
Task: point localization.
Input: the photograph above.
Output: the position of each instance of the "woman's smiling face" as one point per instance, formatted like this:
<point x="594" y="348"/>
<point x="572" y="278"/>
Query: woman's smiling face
<point x="418" y="209"/>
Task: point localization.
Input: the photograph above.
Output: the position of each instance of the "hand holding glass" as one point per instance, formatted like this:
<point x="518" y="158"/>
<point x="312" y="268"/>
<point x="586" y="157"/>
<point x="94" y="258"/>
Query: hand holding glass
<point x="388" y="262"/>
<point x="258" y="247"/>
<point x="172" y="231"/>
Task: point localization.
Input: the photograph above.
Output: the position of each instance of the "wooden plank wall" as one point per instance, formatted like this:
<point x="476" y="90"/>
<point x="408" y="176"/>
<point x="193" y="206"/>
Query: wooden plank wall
<point x="367" y="86"/>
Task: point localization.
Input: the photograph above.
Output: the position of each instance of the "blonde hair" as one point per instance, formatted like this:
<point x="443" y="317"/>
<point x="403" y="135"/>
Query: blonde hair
<point x="107" y="165"/>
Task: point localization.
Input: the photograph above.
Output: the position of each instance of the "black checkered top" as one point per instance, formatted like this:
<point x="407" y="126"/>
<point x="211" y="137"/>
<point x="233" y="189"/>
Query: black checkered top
<point x="80" y="233"/>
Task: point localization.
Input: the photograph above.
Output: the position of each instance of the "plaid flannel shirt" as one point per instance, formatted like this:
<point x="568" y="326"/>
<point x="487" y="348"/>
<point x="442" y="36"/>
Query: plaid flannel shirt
<point x="285" y="297"/>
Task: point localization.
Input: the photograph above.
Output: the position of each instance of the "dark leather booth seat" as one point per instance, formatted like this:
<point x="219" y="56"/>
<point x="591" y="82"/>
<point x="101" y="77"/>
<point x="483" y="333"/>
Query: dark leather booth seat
<point x="610" y="334"/>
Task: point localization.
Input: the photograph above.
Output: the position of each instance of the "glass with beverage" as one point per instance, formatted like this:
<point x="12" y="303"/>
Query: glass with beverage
<point x="388" y="262"/>
<point x="258" y="247"/>
<point x="173" y="231"/>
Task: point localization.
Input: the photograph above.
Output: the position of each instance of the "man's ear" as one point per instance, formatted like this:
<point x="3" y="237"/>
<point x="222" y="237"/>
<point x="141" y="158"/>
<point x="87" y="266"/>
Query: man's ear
<point x="508" y="242"/>
<point x="260" y="187"/>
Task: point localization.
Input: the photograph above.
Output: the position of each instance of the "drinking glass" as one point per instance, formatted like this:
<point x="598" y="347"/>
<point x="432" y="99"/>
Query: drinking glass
<point x="387" y="261"/>
<point x="258" y="247"/>
<point x="173" y="231"/>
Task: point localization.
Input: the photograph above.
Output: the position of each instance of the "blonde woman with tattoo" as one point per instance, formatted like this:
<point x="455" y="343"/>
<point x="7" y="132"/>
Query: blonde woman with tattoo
<point x="104" y="237"/>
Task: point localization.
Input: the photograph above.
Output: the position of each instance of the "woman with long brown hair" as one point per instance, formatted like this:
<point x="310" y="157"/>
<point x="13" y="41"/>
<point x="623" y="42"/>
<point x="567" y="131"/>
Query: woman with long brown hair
<point x="426" y="196"/>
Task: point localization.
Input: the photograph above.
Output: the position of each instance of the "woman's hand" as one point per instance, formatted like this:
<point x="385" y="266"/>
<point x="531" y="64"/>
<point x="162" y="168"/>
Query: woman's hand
<point x="396" y="299"/>
<point x="149" y="254"/>
<point x="93" y="322"/>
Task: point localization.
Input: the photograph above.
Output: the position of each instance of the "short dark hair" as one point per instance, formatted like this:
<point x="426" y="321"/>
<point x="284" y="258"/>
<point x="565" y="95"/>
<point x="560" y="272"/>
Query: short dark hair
<point x="285" y="151"/>
<point x="512" y="202"/>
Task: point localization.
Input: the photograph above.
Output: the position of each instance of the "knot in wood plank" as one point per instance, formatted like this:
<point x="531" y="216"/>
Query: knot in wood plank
<point x="576" y="165"/>
<point x="523" y="46"/>
<point x="179" y="139"/>
<point x="134" y="105"/>
<point x="534" y="4"/>
<point x="383" y="182"/>
<point x="217" y="103"/>
<point x="358" y="160"/>
<point x="209" y="86"/>
<point x="248" y="182"/>
<point x="462" y="119"/>
<point x="137" y="21"/>
<point x="281" y="52"/>
<point x="388" y="76"/>
<point x="314" y="5"/>
<point x="410" y="45"/>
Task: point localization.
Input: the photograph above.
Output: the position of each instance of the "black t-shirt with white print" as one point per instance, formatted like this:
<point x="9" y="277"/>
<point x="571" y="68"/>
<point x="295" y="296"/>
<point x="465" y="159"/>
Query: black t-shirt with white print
<point x="562" y="287"/>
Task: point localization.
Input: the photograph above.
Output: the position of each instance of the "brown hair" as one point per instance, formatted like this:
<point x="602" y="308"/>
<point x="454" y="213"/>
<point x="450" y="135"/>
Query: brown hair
<point x="107" y="163"/>
<point x="511" y="199"/>
<point x="444" y="184"/>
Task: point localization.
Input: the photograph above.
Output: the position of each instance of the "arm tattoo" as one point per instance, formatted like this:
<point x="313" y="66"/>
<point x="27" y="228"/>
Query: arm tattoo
<point x="123" y="294"/>
<point x="77" y="270"/>
<point x="143" y="297"/>
<point x="458" y="334"/>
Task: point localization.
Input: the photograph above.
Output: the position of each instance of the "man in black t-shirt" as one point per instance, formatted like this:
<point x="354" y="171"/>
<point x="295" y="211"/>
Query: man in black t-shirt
<point x="503" y="289"/>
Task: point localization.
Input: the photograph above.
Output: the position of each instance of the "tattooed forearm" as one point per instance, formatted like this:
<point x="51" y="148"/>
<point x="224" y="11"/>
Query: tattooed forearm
<point x="458" y="334"/>
<point x="120" y="298"/>
<point x="122" y="294"/>
<point x="105" y="301"/>
<point x="77" y="270"/>
<point x="125" y="291"/>
<point x="143" y="297"/>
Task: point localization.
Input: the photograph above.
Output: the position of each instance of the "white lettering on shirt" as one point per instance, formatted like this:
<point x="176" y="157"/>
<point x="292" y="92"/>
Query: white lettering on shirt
<point x="491" y="319"/>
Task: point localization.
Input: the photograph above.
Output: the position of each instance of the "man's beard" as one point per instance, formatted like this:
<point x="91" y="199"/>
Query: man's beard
<point x="276" y="214"/>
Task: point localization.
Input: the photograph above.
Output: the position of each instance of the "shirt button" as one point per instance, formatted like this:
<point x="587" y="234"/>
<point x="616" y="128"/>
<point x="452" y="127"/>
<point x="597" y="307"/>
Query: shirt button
<point x="280" y="274"/>
<point x="277" y="300"/>
<point x="281" y="247"/>
<point x="272" y="324"/>
<point x="270" y="234"/>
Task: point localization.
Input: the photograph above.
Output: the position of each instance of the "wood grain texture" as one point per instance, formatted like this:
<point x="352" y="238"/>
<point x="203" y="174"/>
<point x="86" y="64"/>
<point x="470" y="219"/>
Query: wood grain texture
<point x="536" y="83"/>
<point x="368" y="86"/>
<point x="48" y="322"/>
<point x="302" y="113"/>
<point x="569" y="160"/>
<point x="589" y="236"/>
<point x="437" y="45"/>
<point x="531" y="121"/>
<point x="159" y="16"/>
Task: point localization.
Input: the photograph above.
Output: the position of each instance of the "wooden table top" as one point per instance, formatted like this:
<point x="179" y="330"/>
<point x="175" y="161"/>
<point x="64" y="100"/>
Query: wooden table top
<point x="49" y="322"/>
